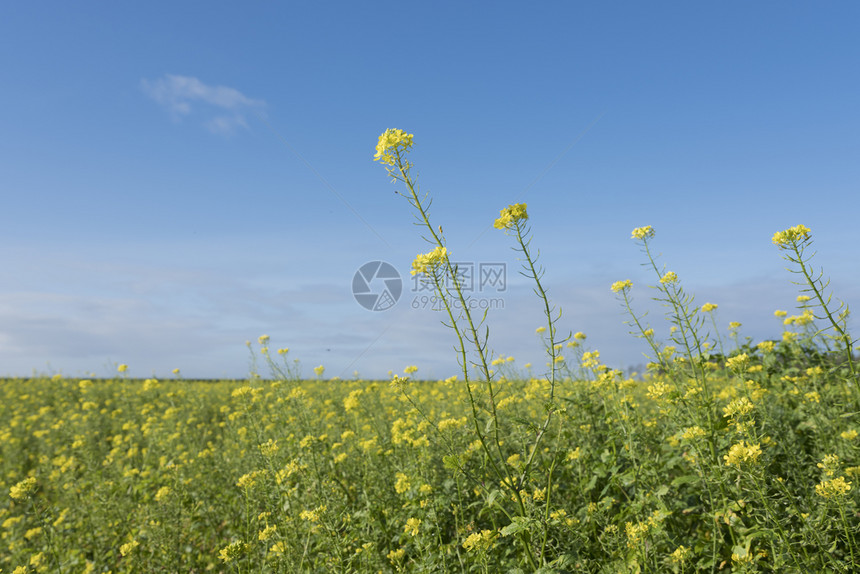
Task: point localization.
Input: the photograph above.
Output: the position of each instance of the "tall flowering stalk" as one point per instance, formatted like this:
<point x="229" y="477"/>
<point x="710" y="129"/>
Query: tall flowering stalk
<point x="683" y="314"/>
<point x="793" y="242"/>
<point x="391" y="150"/>
<point x="513" y="220"/>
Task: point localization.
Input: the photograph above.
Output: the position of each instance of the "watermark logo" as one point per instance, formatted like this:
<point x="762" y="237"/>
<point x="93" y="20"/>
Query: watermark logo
<point x="377" y="286"/>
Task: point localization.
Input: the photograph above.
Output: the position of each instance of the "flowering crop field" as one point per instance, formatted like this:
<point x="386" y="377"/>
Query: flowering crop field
<point x="289" y="476"/>
<point x="726" y="455"/>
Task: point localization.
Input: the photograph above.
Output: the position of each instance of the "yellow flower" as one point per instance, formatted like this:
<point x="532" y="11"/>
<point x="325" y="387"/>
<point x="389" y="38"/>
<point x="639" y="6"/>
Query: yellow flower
<point x="269" y="448"/>
<point x="642" y="233"/>
<point x="692" y="433"/>
<point x="706" y="308"/>
<point x="38" y="561"/>
<point x="766" y="346"/>
<point x="128" y="547"/>
<point x="849" y="434"/>
<point x="23" y="489"/>
<point x="734" y="325"/>
<point x="429" y="261"/>
<point x="412" y="526"/>
<point x="410" y="369"/>
<point x="835" y="488"/>
<point x="319" y="370"/>
<point x="391" y="144"/>
<point x="803" y="298"/>
<point x="350" y="403"/>
<point x="312" y="515"/>
<point x="590" y="359"/>
<point x="619" y="286"/>
<point x="738" y="362"/>
<point x="829" y="464"/>
<point x="162" y="493"/>
<point x="579" y="336"/>
<point x="657" y="390"/>
<point x="266" y="533"/>
<point x="791" y="236"/>
<point x="263" y="339"/>
<point x="780" y="313"/>
<point x="511" y="215"/>
<point x="741" y="453"/>
<point x="540" y="330"/>
<point x="233" y="551"/>
<point x="122" y="368"/>
<point x="680" y="554"/>
<point x="401" y="483"/>
<point x="738" y="407"/>
<point x="479" y="541"/>
<point x="669" y="277"/>
<point x="33" y="533"/>
<point x="449" y="424"/>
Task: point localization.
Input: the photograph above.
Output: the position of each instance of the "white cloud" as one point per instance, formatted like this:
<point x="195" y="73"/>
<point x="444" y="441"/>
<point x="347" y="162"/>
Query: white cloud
<point x="226" y="124"/>
<point x="182" y="95"/>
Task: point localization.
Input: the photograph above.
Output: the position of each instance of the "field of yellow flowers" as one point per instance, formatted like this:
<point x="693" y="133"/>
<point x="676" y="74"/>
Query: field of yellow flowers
<point x="363" y="476"/>
<point x="724" y="456"/>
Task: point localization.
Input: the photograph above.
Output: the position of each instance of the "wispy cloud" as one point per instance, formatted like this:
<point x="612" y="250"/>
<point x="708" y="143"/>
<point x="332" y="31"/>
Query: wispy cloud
<point x="224" y="107"/>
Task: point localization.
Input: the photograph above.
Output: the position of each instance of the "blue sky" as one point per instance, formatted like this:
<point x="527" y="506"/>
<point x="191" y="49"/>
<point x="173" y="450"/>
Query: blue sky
<point x="178" y="179"/>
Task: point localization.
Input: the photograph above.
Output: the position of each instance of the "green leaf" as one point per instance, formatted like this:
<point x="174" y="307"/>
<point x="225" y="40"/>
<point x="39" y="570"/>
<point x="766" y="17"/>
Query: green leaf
<point x="517" y="525"/>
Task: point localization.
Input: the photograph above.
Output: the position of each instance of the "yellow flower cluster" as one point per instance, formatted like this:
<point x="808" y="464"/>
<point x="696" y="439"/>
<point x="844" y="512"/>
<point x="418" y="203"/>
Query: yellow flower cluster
<point x="428" y="261"/>
<point x="479" y="541"/>
<point x="23" y="489"/>
<point x="669" y="277"/>
<point x="642" y="233"/>
<point x="804" y="318"/>
<point x="829" y="464"/>
<point x="312" y="515"/>
<point x="680" y="555"/>
<point x="128" y="547"/>
<point x="391" y="144"/>
<point x="692" y="433"/>
<point x="707" y="308"/>
<point x="412" y="526"/>
<point x="791" y="236"/>
<point x="590" y="359"/>
<point x="738" y="362"/>
<point x="738" y="407"/>
<point x="450" y="424"/>
<point x="835" y="488"/>
<point x="658" y="390"/>
<point x="233" y="551"/>
<point x="741" y="453"/>
<point x="511" y="215"/>
<point x="351" y="403"/>
<point x="401" y="483"/>
<point x="766" y="346"/>
<point x="620" y="286"/>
